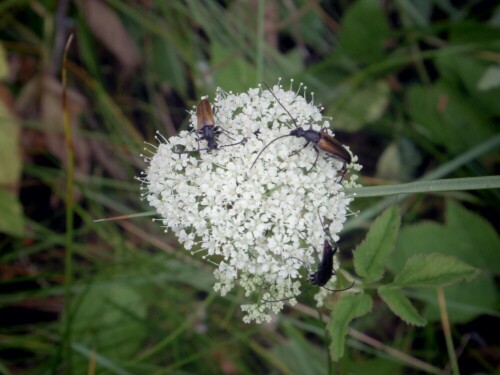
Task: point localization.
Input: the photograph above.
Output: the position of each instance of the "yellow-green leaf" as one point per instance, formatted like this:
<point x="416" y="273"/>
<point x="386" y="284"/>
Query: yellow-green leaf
<point x="400" y="305"/>
<point x="370" y="256"/>
<point x="431" y="270"/>
<point x="347" y="308"/>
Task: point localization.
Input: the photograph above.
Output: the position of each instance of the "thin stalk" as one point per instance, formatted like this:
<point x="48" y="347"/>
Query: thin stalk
<point x="259" y="63"/>
<point x="445" y="322"/>
<point x="441" y="171"/>
<point x="70" y="181"/>
<point x="327" y="342"/>
<point x="406" y="359"/>
<point x="449" y="184"/>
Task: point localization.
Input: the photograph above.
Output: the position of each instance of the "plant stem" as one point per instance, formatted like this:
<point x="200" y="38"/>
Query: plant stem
<point x="70" y="180"/>
<point x="259" y="63"/>
<point x="449" y="184"/>
<point x="447" y="331"/>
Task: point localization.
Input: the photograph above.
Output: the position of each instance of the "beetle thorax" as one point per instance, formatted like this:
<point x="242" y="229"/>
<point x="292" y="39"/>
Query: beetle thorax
<point x="298" y="132"/>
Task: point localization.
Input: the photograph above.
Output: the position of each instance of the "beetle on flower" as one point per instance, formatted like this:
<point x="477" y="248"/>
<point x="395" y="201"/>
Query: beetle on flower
<point x="251" y="223"/>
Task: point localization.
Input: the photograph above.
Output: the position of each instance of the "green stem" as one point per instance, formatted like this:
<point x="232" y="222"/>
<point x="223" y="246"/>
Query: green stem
<point x="260" y="41"/>
<point x="447" y="332"/>
<point x="450" y="184"/>
<point x="70" y="181"/>
<point x="441" y="171"/>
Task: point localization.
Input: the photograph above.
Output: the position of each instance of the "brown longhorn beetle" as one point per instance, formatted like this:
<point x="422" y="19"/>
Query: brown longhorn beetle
<point x="321" y="141"/>
<point x="207" y="129"/>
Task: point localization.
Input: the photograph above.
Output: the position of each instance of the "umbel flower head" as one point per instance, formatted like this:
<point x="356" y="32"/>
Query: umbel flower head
<point x="260" y="226"/>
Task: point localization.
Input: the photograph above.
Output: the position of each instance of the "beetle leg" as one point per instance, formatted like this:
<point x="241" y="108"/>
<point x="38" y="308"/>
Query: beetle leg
<point x="198" y="140"/>
<point x="277" y="300"/>
<point x="221" y="130"/>
<point x="315" y="160"/>
<point x="256" y="133"/>
<point x="343" y="172"/>
<point x="339" y="290"/>
<point x="296" y="152"/>
<point x="243" y="141"/>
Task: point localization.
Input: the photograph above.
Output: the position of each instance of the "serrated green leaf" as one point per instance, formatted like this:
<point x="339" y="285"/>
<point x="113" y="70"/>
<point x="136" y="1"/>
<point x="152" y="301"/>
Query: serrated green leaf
<point x="370" y="256"/>
<point x="347" y="308"/>
<point x="432" y="270"/>
<point x="477" y="246"/>
<point x="401" y="306"/>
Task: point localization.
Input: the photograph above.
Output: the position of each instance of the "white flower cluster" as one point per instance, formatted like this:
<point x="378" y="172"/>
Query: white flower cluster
<point x="261" y="226"/>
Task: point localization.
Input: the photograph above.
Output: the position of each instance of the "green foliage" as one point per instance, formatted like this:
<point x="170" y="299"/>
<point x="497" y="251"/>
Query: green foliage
<point x="366" y="43"/>
<point x="107" y="316"/>
<point x="347" y="308"/>
<point x="167" y="65"/>
<point x="374" y="366"/>
<point x="419" y="271"/>
<point x="452" y="239"/>
<point x="490" y="79"/>
<point x="370" y="256"/>
<point x="3" y="63"/>
<point x="360" y="106"/>
<point x="432" y="270"/>
<point x="477" y="245"/>
<point x="237" y="75"/>
<point x="400" y="305"/>
<point x="11" y="214"/>
<point x="412" y="88"/>
<point x="465" y="301"/>
<point x="297" y="355"/>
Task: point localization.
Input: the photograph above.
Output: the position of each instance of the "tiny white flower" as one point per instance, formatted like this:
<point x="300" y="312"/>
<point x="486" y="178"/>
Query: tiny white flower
<point x="263" y="217"/>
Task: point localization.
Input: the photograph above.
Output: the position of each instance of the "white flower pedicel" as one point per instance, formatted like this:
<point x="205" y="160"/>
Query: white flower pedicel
<point x="259" y="226"/>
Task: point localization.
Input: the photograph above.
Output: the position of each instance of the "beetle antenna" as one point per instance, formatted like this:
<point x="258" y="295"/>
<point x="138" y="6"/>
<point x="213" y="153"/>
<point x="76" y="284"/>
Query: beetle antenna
<point x="308" y="266"/>
<point x="234" y="144"/>
<point x="207" y="148"/>
<point x="189" y="152"/>
<point x="277" y="300"/>
<point x="325" y="228"/>
<point x="339" y="290"/>
<point x="282" y="106"/>
<point x="266" y="146"/>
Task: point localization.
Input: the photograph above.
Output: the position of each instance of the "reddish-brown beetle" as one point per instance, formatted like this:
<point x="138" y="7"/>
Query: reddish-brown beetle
<point x="321" y="141"/>
<point x="207" y="130"/>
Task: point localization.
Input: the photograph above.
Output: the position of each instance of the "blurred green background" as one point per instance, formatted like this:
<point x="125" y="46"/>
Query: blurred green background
<point x="413" y="87"/>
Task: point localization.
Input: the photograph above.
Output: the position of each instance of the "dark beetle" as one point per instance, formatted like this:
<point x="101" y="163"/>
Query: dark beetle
<point x="207" y="130"/>
<point x="325" y="270"/>
<point x="325" y="267"/>
<point x="321" y="141"/>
